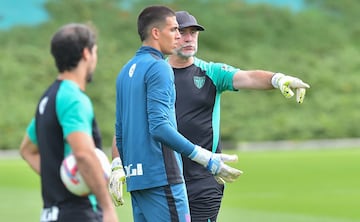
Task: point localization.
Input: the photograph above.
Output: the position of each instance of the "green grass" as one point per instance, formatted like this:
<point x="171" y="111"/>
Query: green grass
<point x="277" y="186"/>
<point x="317" y="185"/>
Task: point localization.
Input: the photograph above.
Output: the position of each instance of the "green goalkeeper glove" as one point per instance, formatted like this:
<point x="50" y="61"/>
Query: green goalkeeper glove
<point x="215" y="163"/>
<point x="286" y="83"/>
<point x="117" y="179"/>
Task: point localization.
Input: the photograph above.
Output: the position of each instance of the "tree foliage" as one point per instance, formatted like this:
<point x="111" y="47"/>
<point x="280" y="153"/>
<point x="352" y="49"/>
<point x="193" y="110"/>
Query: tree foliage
<point x="319" y="44"/>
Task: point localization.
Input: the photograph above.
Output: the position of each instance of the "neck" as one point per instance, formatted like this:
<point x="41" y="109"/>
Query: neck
<point x="75" y="77"/>
<point x="152" y="44"/>
<point x="180" y="62"/>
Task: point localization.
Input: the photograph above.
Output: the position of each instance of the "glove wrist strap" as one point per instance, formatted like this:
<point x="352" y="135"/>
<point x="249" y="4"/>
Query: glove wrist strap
<point x="201" y="155"/>
<point x="116" y="164"/>
<point x="275" y="79"/>
<point x="211" y="167"/>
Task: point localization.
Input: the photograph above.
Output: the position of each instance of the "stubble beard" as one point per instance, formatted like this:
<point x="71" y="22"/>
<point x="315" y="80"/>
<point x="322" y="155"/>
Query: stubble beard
<point x="89" y="76"/>
<point x="185" y="55"/>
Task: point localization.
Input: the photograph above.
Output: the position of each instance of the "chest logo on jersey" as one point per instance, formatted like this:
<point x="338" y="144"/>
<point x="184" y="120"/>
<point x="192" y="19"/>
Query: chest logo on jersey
<point x="199" y="81"/>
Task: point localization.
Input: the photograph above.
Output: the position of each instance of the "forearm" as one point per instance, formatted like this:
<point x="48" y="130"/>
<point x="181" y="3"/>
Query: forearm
<point x="89" y="166"/>
<point x="30" y="153"/>
<point x="169" y="136"/>
<point x="92" y="172"/>
<point x="114" y="149"/>
<point x="253" y="79"/>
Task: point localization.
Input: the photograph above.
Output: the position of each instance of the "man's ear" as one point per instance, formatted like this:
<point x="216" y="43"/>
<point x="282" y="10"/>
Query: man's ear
<point x="86" y="53"/>
<point x="155" y="33"/>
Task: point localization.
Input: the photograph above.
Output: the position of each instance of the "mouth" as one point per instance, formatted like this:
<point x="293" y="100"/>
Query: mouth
<point x="188" y="47"/>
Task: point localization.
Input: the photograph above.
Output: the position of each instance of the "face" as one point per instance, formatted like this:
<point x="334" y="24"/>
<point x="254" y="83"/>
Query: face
<point x="92" y="64"/>
<point x="169" y="36"/>
<point x="188" y="42"/>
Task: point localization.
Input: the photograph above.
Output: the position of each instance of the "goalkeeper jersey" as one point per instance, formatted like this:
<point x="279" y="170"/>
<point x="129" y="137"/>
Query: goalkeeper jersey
<point x="62" y="110"/>
<point x="145" y="128"/>
<point x="198" y="91"/>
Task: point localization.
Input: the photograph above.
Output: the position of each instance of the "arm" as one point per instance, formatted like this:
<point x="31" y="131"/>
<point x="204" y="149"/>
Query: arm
<point x="253" y="79"/>
<point x="83" y="148"/>
<point x="30" y="153"/>
<point x="169" y="136"/>
<point x="259" y="79"/>
<point x="114" y="150"/>
<point x="162" y="126"/>
<point x="161" y="97"/>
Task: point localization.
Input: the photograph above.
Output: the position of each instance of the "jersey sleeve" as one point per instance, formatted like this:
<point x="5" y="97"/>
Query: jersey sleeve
<point x="118" y="132"/>
<point x="221" y="74"/>
<point x="161" y="108"/>
<point x="31" y="131"/>
<point x="75" y="113"/>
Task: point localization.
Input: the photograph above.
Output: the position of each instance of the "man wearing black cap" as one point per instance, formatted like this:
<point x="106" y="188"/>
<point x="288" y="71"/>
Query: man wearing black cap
<point x="199" y="85"/>
<point x="146" y="138"/>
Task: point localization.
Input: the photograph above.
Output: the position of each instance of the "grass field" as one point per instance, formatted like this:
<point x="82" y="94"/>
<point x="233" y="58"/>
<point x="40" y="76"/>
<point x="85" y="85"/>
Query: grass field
<point x="277" y="186"/>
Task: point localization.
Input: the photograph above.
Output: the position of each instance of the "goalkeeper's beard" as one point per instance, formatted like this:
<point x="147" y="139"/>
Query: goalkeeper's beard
<point x="185" y="55"/>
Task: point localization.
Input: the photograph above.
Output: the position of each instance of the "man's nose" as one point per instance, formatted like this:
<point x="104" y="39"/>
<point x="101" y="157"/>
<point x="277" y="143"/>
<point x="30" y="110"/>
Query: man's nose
<point x="187" y="37"/>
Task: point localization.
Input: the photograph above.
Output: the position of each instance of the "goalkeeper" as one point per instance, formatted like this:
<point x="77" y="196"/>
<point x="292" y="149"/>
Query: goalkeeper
<point x="146" y="135"/>
<point x="199" y="85"/>
<point x="193" y="75"/>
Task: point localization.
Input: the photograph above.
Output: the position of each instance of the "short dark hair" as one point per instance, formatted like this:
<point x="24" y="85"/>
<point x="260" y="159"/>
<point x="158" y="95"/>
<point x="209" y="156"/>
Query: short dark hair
<point x="150" y="17"/>
<point x="68" y="43"/>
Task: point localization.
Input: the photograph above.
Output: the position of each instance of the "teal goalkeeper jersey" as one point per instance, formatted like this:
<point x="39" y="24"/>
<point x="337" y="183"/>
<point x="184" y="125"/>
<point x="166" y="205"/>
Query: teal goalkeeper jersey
<point x="198" y="92"/>
<point x="62" y="110"/>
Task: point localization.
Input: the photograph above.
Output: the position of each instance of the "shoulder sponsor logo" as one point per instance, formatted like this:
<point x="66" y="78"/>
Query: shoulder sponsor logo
<point x="199" y="81"/>
<point x="42" y="105"/>
<point x="226" y="68"/>
<point x="132" y="70"/>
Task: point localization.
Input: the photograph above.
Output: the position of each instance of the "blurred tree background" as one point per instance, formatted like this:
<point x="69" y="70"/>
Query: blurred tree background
<point x="319" y="44"/>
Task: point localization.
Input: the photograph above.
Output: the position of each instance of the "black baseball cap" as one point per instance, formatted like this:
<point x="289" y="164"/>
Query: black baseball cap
<point x="186" y="20"/>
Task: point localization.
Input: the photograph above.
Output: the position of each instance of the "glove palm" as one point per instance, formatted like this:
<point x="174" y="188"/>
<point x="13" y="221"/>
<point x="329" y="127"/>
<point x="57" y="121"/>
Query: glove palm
<point x="287" y="83"/>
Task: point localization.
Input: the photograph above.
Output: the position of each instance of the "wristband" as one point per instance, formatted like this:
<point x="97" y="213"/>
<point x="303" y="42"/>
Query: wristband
<point x="116" y="164"/>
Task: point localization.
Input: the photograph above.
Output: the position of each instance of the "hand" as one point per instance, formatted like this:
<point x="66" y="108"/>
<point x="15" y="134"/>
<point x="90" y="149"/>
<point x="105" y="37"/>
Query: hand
<point x="286" y="83"/>
<point x="223" y="173"/>
<point x="109" y="215"/>
<point x="117" y="179"/>
<point x="219" y="180"/>
<point x="215" y="163"/>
